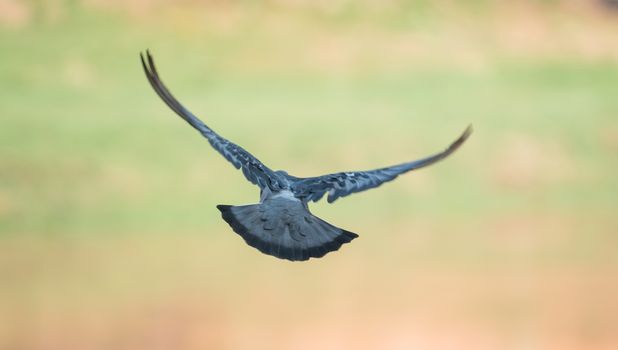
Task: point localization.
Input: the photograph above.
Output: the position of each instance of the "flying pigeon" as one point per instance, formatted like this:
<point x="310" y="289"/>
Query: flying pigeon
<point x="281" y="224"/>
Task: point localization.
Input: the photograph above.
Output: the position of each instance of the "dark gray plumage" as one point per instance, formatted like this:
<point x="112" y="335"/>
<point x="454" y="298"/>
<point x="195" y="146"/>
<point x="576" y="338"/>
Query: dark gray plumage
<point x="281" y="224"/>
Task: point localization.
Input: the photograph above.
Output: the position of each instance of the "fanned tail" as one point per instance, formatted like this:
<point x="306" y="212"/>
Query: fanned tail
<point x="284" y="228"/>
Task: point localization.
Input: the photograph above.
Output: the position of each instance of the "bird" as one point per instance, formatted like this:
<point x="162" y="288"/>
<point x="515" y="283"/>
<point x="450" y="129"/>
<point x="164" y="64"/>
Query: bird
<point x="280" y="224"/>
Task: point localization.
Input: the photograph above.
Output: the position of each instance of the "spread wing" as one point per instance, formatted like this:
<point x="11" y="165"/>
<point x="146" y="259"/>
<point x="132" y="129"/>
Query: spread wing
<point x="256" y="172"/>
<point x="345" y="183"/>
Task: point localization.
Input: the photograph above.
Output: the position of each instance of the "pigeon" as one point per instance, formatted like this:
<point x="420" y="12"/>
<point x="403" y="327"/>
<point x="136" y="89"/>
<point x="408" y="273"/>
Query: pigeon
<point x="281" y="224"/>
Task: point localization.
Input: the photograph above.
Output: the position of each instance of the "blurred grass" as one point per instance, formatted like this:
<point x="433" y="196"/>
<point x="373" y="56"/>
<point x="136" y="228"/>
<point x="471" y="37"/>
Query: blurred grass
<point x="107" y="199"/>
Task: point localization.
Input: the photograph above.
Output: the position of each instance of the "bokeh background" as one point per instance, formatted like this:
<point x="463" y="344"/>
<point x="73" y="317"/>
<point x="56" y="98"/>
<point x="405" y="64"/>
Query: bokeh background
<point x="109" y="236"/>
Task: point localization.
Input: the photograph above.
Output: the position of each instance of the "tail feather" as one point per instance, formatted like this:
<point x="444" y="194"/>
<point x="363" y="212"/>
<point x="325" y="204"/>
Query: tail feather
<point x="285" y="229"/>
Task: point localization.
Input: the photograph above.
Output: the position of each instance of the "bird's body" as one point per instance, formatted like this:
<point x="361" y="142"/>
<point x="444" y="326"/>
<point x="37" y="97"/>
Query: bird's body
<point x="281" y="224"/>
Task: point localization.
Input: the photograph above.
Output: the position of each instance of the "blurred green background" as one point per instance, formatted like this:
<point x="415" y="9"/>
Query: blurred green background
<point x="109" y="236"/>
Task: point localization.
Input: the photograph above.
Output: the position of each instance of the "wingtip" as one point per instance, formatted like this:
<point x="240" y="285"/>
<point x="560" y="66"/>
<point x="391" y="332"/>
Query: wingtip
<point x="457" y="143"/>
<point x="467" y="133"/>
<point x="146" y="57"/>
<point x="145" y="53"/>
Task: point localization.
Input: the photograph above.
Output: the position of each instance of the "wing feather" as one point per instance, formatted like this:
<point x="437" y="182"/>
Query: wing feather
<point x="256" y="172"/>
<point x="345" y="183"/>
